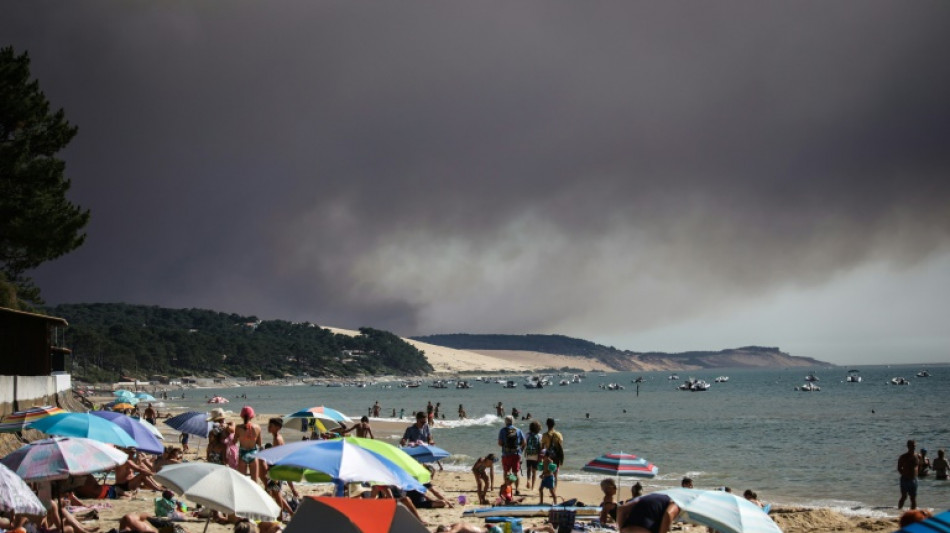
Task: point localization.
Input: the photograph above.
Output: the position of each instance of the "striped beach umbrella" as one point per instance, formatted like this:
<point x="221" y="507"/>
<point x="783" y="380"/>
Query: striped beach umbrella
<point x="19" y="420"/>
<point x="16" y="495"/>
<point x="349" y="515"/>
<point x="622" y="464"/>
<point x="321" y="412"/>
<point x="61" y="457"/>
<point x="721" y="511"/>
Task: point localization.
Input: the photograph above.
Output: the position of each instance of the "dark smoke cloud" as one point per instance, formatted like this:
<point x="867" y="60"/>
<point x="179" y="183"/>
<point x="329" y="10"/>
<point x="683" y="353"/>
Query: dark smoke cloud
<point x="473" y="166"/>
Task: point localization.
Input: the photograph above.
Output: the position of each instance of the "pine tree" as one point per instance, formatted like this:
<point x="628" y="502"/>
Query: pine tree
<point x="37" y="222"/>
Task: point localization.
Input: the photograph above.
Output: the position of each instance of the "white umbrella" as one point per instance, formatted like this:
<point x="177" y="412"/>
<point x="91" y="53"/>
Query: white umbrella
<point x="16" y="496"/>
<point x="220" y="488"/>
<point x="151" y="429"/>
<point x="721" y="511"/>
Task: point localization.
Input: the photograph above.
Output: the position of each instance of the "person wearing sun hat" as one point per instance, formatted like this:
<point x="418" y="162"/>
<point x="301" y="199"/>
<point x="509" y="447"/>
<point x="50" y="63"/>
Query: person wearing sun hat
<point x="248" y="437"/>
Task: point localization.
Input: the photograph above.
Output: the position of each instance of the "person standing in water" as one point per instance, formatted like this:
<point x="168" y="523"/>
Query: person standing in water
<point x="907" y="465"/>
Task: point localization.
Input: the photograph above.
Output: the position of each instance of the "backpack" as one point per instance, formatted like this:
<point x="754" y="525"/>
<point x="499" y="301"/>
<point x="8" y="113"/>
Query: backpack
<point x="534" y="444"/>
<point x="554" y="444"/>
<point x="512" y="442"/>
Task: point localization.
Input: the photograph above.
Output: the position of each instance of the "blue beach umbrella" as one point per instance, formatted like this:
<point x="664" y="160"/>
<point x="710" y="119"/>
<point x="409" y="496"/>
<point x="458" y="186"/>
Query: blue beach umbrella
<point x="193" y="423"/>
<point x="321" y="413"/>
<point x="426" y="453"/>
<point x="145" y="397"/>
<point x="123" y="393"/>
<point x="721" y="511"/>
<point x="341" y="461"/>
<point x="144" y="439"/>
<point x="86" y="426"/>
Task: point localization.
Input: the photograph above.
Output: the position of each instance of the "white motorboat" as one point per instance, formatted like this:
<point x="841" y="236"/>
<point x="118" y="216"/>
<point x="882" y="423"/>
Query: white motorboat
<point x="923" y="374"/>
<point x="564" y="383"/>
<point x="811" y="377"/>
<point x="674" y="377"/>
<point x="808" y="387"/>
<point x="695" y="385"/>
<point x="853" y="377"/>
<point x="899" y="381"/>
<point x="722" y="379"/>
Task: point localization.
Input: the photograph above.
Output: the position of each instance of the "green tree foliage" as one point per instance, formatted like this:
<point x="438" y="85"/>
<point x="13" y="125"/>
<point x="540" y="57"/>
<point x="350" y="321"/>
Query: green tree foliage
<point x="37" y="222"/>
<point x="109" y="340"/>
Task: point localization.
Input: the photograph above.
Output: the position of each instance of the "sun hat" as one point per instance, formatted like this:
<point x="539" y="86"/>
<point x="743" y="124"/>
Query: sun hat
<point x="217" y="414"/>
<point x="247" y="411"/>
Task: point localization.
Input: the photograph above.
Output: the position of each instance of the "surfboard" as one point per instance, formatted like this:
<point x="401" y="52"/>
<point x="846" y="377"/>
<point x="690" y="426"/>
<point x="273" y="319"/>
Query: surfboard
<point x="528" y="510"/>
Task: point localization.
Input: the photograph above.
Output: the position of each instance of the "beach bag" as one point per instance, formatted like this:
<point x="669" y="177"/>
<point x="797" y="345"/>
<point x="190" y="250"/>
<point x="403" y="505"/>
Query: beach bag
<point x="512" y="443"/>
<point x="533" y="449"/>
<point x="555" y="446"/>
<point x="562" y="519"/>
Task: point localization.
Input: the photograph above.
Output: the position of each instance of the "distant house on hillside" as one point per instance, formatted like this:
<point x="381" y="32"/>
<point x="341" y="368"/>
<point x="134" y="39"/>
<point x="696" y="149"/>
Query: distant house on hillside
<point x="31" y="344"/>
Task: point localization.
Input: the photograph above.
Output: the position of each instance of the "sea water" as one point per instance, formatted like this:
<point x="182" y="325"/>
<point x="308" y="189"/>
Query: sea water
<point x="837" y="447"/>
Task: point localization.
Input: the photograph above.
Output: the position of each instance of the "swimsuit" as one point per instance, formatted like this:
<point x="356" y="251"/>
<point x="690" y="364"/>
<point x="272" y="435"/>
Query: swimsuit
<point x="244" y="454"/>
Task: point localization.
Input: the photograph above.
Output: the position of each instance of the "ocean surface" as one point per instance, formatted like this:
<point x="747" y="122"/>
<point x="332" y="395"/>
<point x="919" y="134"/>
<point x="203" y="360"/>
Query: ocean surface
<point x="834" y="448"/>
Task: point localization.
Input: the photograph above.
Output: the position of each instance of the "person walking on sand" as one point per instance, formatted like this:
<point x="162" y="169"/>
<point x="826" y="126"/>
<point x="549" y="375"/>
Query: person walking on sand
<point x="249" y="441"/>
<point x="512" y="443"/>
<point x="907" y="466"/>
<point x="553" y="440"/>
<point x="548" y="481"/>
<point x="532" y="452"/>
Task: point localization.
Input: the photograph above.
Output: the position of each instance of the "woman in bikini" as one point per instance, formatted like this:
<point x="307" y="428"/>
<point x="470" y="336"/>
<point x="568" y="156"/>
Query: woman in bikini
<point x="484" y="470"/>
<point x="249" y="441"/>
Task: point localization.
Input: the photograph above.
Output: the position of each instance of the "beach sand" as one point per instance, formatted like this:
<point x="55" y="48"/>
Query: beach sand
<point x="454" y="484"/>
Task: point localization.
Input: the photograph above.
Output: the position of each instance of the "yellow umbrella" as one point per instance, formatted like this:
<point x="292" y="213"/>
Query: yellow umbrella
<point x="122" y="406"/>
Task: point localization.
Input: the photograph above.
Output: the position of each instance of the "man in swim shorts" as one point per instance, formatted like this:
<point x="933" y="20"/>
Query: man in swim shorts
<point x="907" y="465"/>
<point x="512" y="443"/>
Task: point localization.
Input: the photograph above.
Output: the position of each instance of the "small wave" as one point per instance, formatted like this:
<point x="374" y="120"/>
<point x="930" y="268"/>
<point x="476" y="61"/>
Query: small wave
<point x="484" y="420"/>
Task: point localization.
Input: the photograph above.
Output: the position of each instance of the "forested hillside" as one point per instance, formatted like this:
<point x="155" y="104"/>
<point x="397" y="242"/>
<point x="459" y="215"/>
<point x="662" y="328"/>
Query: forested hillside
<point x="109" y="340"/>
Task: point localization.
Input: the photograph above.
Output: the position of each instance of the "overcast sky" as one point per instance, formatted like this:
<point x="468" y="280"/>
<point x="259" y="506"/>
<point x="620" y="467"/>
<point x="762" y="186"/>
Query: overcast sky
<point x="655" y="176"/>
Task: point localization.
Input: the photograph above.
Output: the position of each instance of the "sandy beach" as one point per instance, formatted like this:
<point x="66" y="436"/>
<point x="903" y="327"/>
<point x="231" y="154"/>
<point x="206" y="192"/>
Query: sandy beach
<point x="454" y="484"/>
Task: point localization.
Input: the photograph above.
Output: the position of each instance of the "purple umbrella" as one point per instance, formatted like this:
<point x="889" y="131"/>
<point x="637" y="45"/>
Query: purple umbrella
<point x="192" y="423"/>
<point x="144" y="440"/>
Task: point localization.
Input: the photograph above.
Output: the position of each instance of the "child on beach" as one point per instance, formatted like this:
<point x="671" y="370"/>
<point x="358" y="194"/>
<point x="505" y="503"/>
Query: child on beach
<point x="484" y="470"/>
<point x="183" y="439"/>
<point x="548" y="481"/>
<point x="506" y="494"/>
<point x="532" y="451"/>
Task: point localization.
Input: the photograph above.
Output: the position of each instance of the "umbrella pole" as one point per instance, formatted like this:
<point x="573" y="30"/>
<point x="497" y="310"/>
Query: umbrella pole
<point x="207" y="523"/>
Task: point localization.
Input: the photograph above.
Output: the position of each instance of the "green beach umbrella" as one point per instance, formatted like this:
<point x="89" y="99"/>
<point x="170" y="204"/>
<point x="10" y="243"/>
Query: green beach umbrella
<point x="397" y="456"/>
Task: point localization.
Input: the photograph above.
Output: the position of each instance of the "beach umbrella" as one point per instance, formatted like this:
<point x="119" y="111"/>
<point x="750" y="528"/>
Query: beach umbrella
<point x="192" y="422"/>
<point x="220" y="488"/>
<point x="145" y="397"/>
<point x="219" y="399"/>
<point x="144" y="439"/>
<point x="150" y="428"/>
<point x="16" y="495"/>
<point x="395" y="454"/>
<point x="353" y="515"/>
<point x="123" y="399"/>
<point x="121" y="406"/>
<point x="426" y="453"/>
<point x="935" y="524"/>
<point x="61" y="457"/>
<point x="342" y="461"/>
<point x="124" y="393"/>
<point x="722" y="511"/>
<point x="84" y="425"/>
<point x="321" y="413"/>
<point x="621" y="464"/>
<point x="18" y="420"/>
